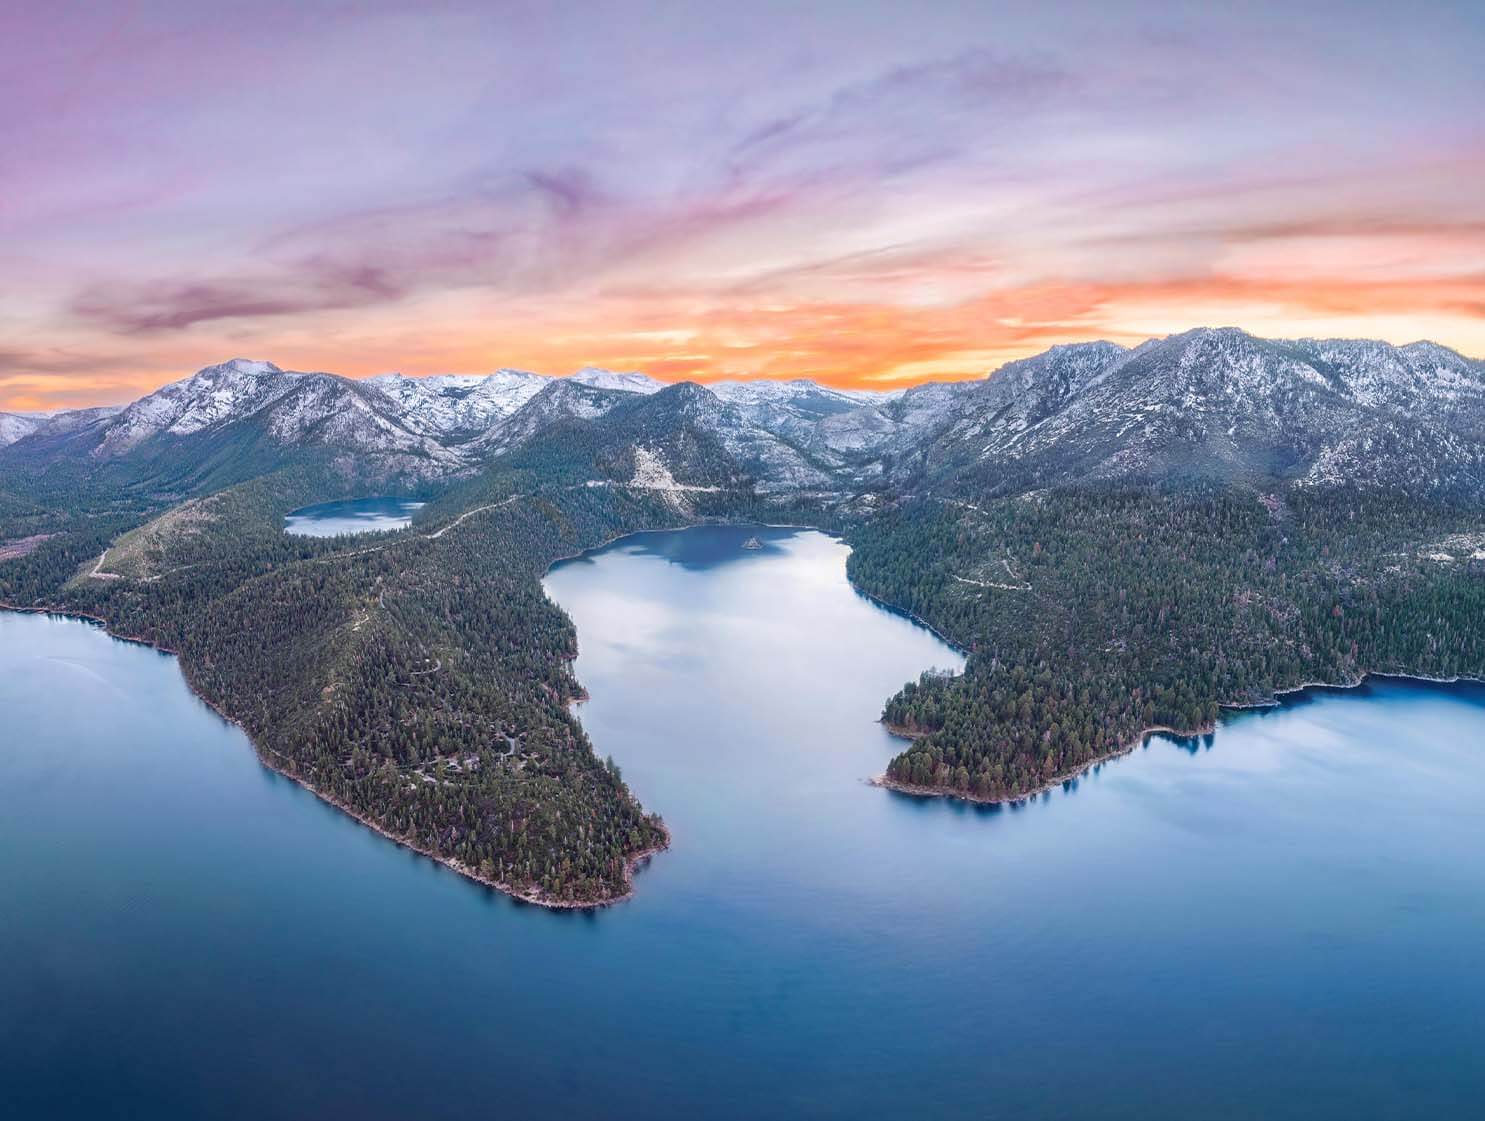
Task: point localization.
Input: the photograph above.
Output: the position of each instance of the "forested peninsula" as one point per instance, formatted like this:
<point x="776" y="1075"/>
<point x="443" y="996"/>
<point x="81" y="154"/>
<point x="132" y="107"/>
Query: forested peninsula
<point x="1119" y="612"/>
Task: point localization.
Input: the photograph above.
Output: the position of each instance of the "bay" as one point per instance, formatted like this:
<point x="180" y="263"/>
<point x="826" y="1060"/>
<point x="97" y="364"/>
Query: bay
<point x="1278" y="920"/>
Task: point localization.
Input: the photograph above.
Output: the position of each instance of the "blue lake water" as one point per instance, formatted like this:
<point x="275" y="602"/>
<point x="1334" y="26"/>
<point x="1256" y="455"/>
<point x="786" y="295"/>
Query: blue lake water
<point x="356" y="515"/>
<point x="1282" y="920"/>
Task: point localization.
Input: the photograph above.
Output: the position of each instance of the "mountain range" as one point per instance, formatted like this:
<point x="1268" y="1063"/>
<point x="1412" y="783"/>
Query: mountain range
<point x="1208" y="403"/>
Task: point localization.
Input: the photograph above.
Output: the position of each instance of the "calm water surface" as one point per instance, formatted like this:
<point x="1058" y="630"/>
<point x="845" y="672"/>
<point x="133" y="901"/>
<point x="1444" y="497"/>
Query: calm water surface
<point x="356" y="515"/>
<point x="1281" y="921"/>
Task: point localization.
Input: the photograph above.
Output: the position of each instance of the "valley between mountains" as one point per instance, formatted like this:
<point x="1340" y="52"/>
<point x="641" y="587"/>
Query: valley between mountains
<point x="1120" y="538"/>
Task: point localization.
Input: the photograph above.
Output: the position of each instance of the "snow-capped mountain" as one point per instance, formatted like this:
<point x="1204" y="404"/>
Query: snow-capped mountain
<point x="1216" y="404"/>
<point x="1223" y="404"/>
<point x="768" y="456"/>
<point x="212" y="396"/>
<point x="1420" y="378"/>
<point x="791" y="409"/>
<point x="617" y="382"/>
<point x="683" y="430"/>
<point x="456" y="407"/>
<point x="19" y="426"/>
<point x="322" y="410"/>
<point x="241" y="416"/>
<point x="15" y="427"/>
<point x="559" y="400"/>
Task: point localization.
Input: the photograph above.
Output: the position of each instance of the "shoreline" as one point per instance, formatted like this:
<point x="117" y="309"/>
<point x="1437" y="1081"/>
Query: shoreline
<point x="1277" y="700"/>
<point x="904" y="613"/>
<point x="707" y="523"/>
<point x="632" y="863"/>
<point x="535" y="897"/>
<point x="635" y="861"/>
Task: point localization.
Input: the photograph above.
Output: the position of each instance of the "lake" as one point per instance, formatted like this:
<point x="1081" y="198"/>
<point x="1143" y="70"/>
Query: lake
<point x="1281" y="920"/>
<point x="356" y="515"/>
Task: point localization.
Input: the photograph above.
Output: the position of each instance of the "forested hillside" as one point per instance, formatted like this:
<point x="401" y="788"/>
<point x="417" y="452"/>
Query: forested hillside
<point x="421" y="681"/>
<point x="1094" y="614"/>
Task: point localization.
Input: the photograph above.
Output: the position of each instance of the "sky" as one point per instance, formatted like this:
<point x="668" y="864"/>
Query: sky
<point x="863" y="193"/>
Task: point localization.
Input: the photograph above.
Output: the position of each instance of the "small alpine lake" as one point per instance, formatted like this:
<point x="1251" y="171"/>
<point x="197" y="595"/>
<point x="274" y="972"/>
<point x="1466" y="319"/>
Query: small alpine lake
<point x="1280" y="920"/>
<point x="355" y="515"/>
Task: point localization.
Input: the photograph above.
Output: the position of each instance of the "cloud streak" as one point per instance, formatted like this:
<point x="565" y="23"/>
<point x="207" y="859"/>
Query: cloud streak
<point x="150" y="309"/>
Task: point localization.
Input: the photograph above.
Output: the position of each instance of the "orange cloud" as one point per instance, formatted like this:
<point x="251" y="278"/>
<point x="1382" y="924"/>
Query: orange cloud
<point x="675" y="336"/>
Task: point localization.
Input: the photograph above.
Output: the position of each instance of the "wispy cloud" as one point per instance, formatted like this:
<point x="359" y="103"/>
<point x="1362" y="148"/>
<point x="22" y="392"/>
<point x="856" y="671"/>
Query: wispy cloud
<point x="145" y="309"/>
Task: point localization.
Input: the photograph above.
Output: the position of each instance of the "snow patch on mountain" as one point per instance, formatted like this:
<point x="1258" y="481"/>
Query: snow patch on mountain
<point x="1222" y="403"/>
<point x="1217" y="403"/>
<point x="455" y="406"/>
<point x="630" y="382"/>
<point x="559" y="399"/>
<point x="15" y="427"/>
<point x="792" y="410"/>
<point x="212" y="396"/>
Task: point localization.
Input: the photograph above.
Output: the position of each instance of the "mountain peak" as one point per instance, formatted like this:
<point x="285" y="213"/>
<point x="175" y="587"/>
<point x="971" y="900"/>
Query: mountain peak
<point x="1431" y="349"/>
<point x="686" y="389"/>
<point x="1093" y="346"/>
<point x="624" y="382"/>
<point x="250" y="366"/>
<point x="1201" y="334"/>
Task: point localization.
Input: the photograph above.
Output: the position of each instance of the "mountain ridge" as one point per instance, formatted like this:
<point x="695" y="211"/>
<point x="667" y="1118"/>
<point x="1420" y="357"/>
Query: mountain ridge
<point x="1210" y="402"/>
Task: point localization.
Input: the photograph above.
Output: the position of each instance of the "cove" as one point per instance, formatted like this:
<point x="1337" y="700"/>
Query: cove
<point x="1280" y="920"/>
<point x="356" y="515"/>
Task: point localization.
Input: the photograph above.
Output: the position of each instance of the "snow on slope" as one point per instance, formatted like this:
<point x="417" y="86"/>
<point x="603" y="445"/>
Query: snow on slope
<point x="212" y="396"/>
<point x="599" y="378"/>
<point x="1211" y="402"/>
<point x="458" y="405"/>
<point x="322" y="410"/>
<point x="1222" y="403"/>
<point x="557" y="400"/>
<point x="14" y="427"/>
<point x="790" y="409"/>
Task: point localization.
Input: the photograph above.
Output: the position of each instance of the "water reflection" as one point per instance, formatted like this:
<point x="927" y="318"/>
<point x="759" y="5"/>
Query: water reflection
<point x="357" y="515"/>
<point x="700" y="552"/>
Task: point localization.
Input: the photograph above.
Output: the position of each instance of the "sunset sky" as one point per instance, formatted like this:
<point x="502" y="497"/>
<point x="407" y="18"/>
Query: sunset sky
<point x="867" y="194"/>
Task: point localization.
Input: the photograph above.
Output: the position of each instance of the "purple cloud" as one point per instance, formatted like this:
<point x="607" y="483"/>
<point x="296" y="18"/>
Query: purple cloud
<point x="145" y="309"/>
